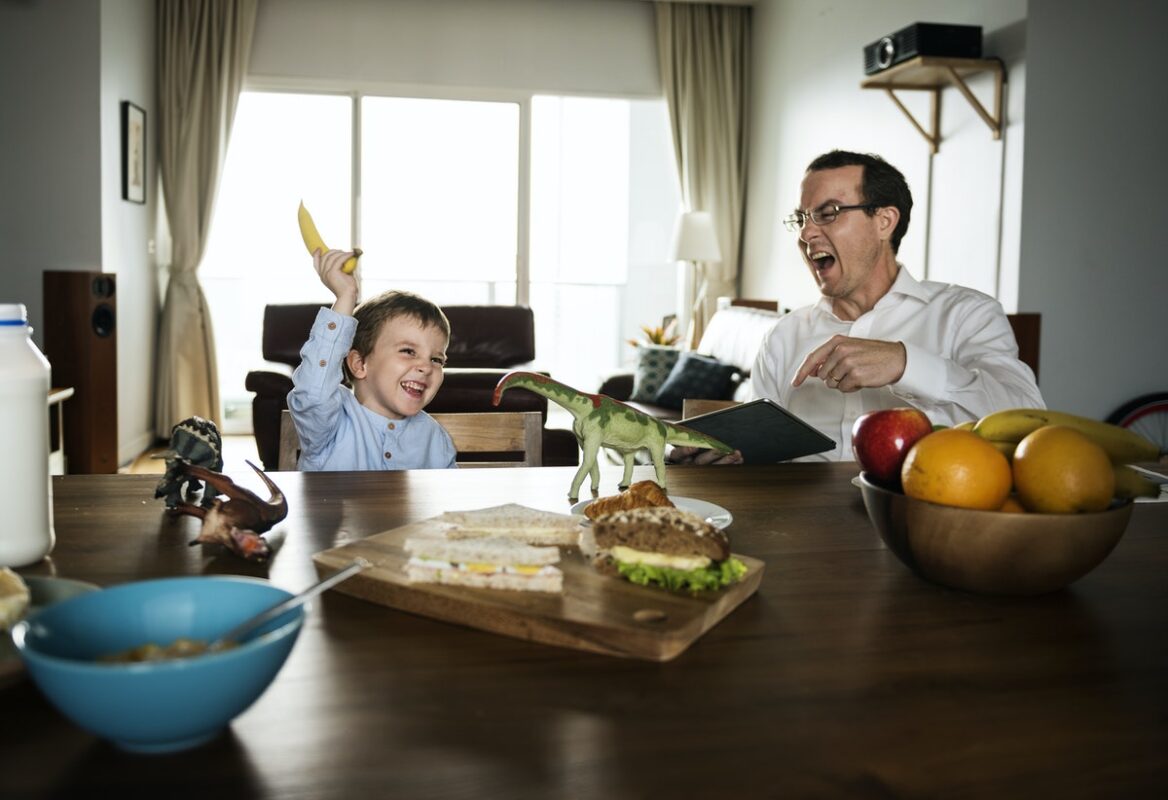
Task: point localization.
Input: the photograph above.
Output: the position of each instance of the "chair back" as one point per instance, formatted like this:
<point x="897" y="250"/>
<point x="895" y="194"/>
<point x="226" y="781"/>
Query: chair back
<point x="514" y="436"/>
<point x="1028" y="332"/>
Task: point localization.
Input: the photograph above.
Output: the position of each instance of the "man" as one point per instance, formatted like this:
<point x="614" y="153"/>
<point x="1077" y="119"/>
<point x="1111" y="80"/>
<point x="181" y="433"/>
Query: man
<point x="879" y="338"/>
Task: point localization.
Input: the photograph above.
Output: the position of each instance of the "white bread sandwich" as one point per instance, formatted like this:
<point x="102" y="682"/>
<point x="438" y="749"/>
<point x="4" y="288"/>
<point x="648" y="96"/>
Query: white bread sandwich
<point x="14" y="598"/>
<point x="662" y="546"/>
<point x="513" y="521"/>
<point x="485" y="563"/>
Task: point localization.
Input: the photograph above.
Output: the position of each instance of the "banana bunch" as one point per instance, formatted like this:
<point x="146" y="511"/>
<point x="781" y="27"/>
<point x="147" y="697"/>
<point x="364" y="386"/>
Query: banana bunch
<point x="313" y="241"/>
<point x="1005" y="429"/>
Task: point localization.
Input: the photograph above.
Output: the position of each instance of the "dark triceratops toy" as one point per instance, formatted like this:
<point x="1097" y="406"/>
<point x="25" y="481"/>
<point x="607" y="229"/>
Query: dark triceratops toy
<point x="193" y="442"/>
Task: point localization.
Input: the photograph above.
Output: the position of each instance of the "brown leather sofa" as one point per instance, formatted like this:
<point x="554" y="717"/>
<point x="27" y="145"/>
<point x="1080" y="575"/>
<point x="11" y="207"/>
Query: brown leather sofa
<point x="486" y="342"/>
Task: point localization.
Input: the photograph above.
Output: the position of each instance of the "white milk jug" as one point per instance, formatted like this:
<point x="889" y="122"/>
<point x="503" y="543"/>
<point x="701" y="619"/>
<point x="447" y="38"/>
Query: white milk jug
<point x="26" y="529"/>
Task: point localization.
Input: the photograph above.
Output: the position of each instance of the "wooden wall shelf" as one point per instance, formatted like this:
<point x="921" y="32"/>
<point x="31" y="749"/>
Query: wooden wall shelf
<point x="932" y="74"/>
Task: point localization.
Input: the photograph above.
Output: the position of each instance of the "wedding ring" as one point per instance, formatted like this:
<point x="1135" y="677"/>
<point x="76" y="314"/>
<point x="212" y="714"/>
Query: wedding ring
<point x="834" y="378"/>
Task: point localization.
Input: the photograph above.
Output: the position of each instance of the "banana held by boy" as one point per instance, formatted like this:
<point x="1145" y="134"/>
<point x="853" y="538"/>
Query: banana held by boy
<point x="1121" y="444"/>
<point x="313" y="241"/>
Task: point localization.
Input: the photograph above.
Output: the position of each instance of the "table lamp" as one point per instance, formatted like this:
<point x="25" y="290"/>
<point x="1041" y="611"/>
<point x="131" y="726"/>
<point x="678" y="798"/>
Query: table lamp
<point x="696" y="242"/>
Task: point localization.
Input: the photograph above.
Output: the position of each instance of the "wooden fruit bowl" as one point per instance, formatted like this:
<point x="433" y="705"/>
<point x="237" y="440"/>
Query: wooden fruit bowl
<point x="992" y="552"/>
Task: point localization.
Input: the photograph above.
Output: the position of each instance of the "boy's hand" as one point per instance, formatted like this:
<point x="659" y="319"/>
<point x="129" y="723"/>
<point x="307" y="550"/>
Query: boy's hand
<point x="343" y="286"/>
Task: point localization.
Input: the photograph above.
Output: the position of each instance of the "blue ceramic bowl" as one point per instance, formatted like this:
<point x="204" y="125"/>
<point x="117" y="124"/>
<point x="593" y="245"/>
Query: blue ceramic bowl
<point x="160" y="706"/>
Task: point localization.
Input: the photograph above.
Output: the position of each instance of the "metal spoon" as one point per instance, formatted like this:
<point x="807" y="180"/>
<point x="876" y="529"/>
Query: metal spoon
<point x="292" y="602"/>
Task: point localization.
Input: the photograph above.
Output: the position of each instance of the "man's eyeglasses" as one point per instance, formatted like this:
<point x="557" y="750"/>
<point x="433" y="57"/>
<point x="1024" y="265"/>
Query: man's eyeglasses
<point x="824" y="215"/>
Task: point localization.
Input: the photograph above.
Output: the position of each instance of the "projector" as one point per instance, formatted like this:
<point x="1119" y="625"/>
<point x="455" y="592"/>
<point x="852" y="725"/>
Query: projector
<point x="922" y="39"/>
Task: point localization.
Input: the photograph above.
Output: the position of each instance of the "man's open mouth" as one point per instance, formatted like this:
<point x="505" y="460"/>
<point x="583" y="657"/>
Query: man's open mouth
<point x="821" y="259"/>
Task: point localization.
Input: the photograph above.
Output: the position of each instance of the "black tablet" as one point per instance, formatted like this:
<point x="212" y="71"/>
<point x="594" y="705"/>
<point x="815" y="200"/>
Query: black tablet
<point x="763" y="431"/>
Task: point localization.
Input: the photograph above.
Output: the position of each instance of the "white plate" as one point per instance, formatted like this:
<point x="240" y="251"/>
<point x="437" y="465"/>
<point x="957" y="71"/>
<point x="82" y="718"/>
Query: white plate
<point x="711" y="513"/>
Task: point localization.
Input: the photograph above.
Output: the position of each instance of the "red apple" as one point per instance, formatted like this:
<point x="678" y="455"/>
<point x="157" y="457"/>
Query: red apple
<point x="881" y="440"/>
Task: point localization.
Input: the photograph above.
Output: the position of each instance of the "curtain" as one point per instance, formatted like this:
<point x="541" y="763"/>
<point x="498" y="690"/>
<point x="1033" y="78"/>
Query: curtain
<point x="704" y="56"/>
<point x="203" y="49"/>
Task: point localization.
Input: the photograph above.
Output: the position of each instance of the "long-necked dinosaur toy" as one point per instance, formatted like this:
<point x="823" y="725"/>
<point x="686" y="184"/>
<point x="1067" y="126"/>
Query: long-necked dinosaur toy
<point x="601" y="421"/>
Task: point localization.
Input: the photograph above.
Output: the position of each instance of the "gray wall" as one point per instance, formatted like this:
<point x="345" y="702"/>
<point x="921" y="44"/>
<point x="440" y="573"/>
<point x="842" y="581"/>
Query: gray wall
<point x="1094" y="236"/>
<point x="50" y="176"/>
<point x="65" y="67"/>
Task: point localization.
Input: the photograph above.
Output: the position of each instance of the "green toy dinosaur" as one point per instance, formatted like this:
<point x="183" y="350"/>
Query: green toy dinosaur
<point x="601" y="421"/>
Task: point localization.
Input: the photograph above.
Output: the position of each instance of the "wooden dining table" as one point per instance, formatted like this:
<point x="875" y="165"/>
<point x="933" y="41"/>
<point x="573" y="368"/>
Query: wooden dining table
<point x="845" y="674"/>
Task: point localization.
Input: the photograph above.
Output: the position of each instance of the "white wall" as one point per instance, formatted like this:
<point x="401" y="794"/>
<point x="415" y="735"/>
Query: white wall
<point x="1073" y="208"/>
<point x="127" y="229"/>
<point x="1094" y="237"/>
<point x="808" y="66"/>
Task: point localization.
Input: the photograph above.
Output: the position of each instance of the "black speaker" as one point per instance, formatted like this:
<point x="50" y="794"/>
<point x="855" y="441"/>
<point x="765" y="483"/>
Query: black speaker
<point x="81" y="344"/>
<point x="922" y="39"/>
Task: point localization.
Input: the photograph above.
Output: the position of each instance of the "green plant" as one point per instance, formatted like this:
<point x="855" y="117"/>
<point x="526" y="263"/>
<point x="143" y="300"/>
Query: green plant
<point x="665" y="335"/>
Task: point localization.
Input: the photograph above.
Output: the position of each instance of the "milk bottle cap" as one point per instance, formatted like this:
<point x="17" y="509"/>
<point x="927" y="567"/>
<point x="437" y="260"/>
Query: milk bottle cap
<point x="13" y="314"/>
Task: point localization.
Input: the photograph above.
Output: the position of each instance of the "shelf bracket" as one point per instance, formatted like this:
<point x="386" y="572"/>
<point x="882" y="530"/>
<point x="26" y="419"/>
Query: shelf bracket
<point x="932" y="74"/>
<point x="933" y="136"/>
<point x="994" y="122"/>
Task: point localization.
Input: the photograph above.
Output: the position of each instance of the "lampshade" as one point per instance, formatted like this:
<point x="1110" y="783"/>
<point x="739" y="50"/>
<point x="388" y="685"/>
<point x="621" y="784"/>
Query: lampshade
<point x="695" y="239"/>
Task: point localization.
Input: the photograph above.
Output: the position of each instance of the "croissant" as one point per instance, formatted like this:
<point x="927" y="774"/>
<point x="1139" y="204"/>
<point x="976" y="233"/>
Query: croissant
<point x="642" y="494"/>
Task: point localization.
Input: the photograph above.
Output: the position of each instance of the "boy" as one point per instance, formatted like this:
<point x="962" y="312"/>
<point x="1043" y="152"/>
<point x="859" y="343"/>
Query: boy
<point x="392" y="349"/>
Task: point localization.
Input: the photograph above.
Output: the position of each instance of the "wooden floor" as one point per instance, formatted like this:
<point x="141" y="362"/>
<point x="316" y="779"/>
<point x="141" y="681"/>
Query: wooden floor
<point x="237" y="451"/>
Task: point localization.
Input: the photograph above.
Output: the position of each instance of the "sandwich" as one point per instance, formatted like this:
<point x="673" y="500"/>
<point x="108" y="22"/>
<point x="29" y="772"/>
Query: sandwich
<point x="662" y="546"/>
<point x="14" y="598"/>
<point x="485" y="563"/>
<point x="512" y="521"/>
<point x="642" y="494"/>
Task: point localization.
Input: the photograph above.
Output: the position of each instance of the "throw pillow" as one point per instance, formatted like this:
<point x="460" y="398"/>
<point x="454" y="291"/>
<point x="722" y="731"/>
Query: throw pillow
<point x="654" y="363"/>
<point x="696" y="375"/>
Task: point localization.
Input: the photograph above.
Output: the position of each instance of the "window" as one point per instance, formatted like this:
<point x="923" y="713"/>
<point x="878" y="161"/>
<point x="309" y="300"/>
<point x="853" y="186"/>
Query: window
<point x="442" y="210"/>
<point x="439" y="198"/>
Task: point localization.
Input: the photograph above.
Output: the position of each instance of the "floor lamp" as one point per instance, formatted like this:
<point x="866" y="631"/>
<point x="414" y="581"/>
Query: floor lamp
<point x="695" y="242"/>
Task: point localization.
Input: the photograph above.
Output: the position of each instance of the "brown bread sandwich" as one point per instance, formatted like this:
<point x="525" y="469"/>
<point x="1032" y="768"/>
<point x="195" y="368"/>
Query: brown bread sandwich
<point x="662" y="546"/>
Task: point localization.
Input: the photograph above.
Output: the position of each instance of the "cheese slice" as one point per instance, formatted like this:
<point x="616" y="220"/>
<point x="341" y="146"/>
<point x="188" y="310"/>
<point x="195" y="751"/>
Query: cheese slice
<point x="684" y="563"/>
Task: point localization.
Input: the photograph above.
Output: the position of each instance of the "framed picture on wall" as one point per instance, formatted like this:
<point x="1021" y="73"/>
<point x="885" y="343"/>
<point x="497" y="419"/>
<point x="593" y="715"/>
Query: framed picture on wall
<point x="133" y="153"/>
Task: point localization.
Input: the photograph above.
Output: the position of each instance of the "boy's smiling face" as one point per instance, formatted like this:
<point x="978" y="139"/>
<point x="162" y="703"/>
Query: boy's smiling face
<point x="403" y="371"/>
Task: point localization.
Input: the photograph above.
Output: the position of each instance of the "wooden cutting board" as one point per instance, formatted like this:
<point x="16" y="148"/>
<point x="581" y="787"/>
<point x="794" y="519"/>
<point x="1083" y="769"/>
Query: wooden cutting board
<point x="596" y="613"/>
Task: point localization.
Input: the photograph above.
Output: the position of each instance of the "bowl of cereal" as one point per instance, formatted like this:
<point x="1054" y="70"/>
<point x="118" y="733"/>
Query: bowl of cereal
<point x="130" y="663"/>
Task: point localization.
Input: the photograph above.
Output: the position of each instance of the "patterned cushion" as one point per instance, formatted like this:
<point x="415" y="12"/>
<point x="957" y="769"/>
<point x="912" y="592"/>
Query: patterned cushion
<point x="654" y="363"/>
<point x="696" y="375"/>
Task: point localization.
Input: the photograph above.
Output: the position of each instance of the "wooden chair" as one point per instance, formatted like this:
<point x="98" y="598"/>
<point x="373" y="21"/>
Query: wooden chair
<point x="695" y="407"/>
<point x="495" y="432"/>
<point x="1028" y="331"/>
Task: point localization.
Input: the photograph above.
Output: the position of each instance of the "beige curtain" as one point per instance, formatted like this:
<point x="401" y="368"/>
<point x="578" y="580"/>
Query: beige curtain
<point x="704" y="55"/>
<point x="203" y="49"/>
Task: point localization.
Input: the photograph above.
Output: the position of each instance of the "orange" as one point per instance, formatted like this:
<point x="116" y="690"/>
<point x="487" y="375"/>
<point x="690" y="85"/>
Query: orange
<point x="1013" y="506"/>
<point x="957" y="468"/>
<point x="1058" y="470"/>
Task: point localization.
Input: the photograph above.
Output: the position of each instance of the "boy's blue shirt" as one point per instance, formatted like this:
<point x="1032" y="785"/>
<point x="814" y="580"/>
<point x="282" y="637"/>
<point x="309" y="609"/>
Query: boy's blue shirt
<point x="337" y="432"/>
